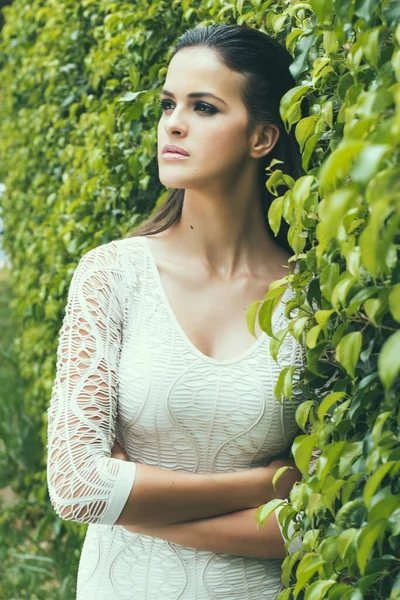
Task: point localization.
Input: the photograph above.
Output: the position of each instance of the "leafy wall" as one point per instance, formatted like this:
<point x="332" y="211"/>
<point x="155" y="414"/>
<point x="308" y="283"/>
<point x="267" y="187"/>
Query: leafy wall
<point x="77" y="154"/>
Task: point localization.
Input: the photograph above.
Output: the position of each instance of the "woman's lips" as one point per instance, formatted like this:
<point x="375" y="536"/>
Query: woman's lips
<point x="173" y="156"/>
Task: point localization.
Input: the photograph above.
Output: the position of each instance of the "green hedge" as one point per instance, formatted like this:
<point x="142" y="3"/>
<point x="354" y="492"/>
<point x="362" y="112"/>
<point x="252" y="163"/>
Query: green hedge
<point x="78" y="157"/>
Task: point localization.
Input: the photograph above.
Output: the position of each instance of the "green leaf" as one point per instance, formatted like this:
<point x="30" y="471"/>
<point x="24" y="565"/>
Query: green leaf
<point x="283" y="388"/>
<point x="322" y="9"/>
<point x="351" y="451"/>
<point x="322" y="316"/>
<point x="304" y="129"/>
<point x="371" y="307"/>
<point x="285" y="595"/>
<point x="375" y="480"/>
<point x="379" y="423"/>
<point x="394" y="302"/>
<point x="276" y="342"/>
<point x="273" y="181"/>
<point x="318" y="589"/>
<point x="309" y="149"/>
<point x="345" y="540"/>
<point x="367" y="539"/>
<point x="384" y="508"/>
<point x="312" y="336"/>
<point x="389" y="360"/>
<point x="348" y="351"/>
<point x="130" y="96"/>
<point x="292" y="97"/>
<point x="275" y="214"/>
<point x="329" y="401"/>
<point x="328" y="279"/>
<point x="302" y="412"/>
<point x="264" y="511"/>
<point x="332" y="211"/>
<point x="368" y="162"/>
<point x="296" y="327"/>
<point x="308" y="566"/>
<point x="328" y="548"/>
<point x="314" y="359"/>
<point x="338" y="164"/>
<point x="251" y="316"/>
<point x="395" y="592"/>
<point x="278" y="473"/>
<point x="302" y="56"/>
<point x="302" y="449"/>
<point x="265" y="315"/>
<point x="329" y="459"/>
<point x="338" y="334"/>
<point x="331" y="493"/>
<point x="239" y="6"/>
<point x="287" y="567"/>
<point x="340" y="591"/>
<point x="342" y="288"/>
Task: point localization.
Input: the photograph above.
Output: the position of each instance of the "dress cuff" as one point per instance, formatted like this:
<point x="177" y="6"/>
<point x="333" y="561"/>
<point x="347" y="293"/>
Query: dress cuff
<point x="122" y="489"/>
<point x="295" y="544"/>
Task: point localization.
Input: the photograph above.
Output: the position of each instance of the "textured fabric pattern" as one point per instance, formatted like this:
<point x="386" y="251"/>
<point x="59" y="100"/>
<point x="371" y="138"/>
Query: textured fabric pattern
<point x="127" y="371"/>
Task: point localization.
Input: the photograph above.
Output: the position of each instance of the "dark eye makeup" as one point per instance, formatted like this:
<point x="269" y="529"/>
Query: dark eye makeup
<point x="208" y="109"/>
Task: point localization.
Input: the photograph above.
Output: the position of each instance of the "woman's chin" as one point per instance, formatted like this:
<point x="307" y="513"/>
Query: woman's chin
<point x="171" y="181"/>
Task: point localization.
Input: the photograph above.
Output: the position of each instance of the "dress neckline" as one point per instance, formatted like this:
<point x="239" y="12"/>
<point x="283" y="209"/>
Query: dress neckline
<point x="277" y="311"/>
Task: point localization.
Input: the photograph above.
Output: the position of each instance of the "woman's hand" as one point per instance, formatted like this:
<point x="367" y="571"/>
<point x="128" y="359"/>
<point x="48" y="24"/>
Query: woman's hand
<point x="118" y="452"/>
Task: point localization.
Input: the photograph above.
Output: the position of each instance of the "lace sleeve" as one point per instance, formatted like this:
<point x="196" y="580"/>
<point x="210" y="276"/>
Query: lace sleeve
<point x="85" y="484"/>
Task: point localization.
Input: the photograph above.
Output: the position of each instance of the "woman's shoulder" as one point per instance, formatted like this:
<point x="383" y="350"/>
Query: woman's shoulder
<point x="111" y="252"/>
<point x="120" y="255"/>
<point x="130" y="244"/>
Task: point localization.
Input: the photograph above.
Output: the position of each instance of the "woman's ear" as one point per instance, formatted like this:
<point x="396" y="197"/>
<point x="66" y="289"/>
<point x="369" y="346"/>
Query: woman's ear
<point x="264" y="139"/>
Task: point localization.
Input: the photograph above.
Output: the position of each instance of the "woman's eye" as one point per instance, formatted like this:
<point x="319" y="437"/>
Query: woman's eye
<point x="199" y="105"/>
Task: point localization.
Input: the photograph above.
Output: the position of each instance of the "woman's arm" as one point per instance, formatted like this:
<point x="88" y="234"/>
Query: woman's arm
<point x="234" y="533"/>
<point x="162" y="496"/>
<point x="165" y="497"/>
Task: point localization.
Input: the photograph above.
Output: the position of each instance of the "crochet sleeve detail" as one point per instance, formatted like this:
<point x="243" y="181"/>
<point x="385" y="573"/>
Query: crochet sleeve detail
<point x="85" y="484"/>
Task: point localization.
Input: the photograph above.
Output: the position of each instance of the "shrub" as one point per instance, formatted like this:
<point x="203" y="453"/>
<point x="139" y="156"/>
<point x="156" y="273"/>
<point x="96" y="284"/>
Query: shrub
<point x="78" y="142"/>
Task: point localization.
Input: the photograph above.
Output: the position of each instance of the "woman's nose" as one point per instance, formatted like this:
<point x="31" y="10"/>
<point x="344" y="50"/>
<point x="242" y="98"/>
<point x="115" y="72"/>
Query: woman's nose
<point x="175" y="122"/>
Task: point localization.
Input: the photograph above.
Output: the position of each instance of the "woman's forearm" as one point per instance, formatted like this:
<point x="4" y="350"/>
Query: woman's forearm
<point x="162" y="496"/>
<point x="235" y="533"/>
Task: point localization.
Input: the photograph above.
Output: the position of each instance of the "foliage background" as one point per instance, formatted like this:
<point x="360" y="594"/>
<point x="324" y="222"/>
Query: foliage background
<point x="78" y="156"/>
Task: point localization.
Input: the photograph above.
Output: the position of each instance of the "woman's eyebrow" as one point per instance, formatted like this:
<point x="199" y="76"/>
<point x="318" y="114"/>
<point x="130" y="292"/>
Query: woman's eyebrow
<point x="193" y="95"/>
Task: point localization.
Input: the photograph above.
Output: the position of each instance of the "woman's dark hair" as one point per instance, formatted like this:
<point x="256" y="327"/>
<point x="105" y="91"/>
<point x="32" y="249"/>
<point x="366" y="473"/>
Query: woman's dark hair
<point x="264" y="62"/>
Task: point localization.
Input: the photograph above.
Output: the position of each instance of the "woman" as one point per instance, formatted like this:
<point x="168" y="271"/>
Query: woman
<point x="155" y="355"/>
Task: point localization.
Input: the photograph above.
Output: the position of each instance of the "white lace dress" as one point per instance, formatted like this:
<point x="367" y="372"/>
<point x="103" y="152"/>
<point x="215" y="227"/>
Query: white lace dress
<point x="127" y="371"/>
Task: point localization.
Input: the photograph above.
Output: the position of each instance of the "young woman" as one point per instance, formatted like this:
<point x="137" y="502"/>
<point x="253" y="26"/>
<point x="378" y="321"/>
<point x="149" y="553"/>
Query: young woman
<point x="164" y="433"/>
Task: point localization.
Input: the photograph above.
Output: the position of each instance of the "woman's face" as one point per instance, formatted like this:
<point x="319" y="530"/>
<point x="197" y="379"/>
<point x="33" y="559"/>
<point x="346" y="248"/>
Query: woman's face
<point x="213" y="131"/>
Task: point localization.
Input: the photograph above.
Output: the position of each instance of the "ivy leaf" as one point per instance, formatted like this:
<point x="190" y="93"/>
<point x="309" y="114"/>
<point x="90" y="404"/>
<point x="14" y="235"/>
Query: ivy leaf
<point x="348" y="351"/>
<point x="389" y="360"/>
<point x="309" y="564"/>
<point x="394" y="302"/>
<point x="130" y="96"/>
<point x="302" y="412"/>
<point x="318" y="589"/>
<point x="251" y="316"/>
<point x="367" y="539"/>
<point x="375" y="480"/>
<point x="328" y="279"/>
<point x="302" y="55"/>
<point x="302" y="449"/>
<point x="277" y="475"/>
<point x="328" y="402"/>
<point x="264" y="511"/>
<point x="329" y="459"/>
<point x="283" y="388"/>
